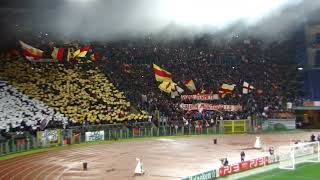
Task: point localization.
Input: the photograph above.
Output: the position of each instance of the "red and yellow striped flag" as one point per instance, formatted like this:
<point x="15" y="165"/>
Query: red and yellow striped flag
<point x="161" y="74"/>
<point x="226" y="88"/>
<point x="57" y="53"/>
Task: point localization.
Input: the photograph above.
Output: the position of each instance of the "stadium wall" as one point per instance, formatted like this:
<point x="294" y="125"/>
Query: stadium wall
<point x="62" y="137"/>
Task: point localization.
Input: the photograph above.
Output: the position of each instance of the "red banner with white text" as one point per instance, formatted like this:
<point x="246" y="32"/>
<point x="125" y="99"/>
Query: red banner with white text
<point x="243" y="166"/>
<point x="210" y="107"/>
<point x="201" y="97"/>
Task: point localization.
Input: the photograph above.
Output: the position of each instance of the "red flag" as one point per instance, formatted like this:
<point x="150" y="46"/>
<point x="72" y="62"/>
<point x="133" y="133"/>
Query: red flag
<point x="57" y="53"/>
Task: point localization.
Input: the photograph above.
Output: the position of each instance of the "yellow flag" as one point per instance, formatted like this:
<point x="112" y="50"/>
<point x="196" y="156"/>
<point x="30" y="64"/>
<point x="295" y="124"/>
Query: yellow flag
<point x="82" y="52"/>
<point x="166" y="86"/>
<point x="69" y="55"/>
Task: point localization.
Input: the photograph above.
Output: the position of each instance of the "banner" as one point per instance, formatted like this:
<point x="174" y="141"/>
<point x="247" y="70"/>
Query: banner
<point x="311" y="103"/>
<point x="95" y="136"/>
<point x="208" y="175"/>
<point x="273" y="159"/>
<point x="243" y="166"/>
<point x="201" y="97"/>
<point x="212" y="107"/>
<point x="49" y="137"/>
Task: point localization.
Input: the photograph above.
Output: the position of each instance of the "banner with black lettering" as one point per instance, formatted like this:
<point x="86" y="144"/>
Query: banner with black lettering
<point x="95" y="136"/>
<point x="49" y="137"/>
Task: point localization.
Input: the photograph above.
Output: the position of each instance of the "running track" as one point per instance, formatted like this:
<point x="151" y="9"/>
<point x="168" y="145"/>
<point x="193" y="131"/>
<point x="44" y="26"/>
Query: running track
<point x="163" y="159"/>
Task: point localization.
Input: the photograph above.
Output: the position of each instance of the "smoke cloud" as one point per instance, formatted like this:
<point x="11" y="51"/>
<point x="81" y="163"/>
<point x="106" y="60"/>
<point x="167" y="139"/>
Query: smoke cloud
<point x="116" y="19"/>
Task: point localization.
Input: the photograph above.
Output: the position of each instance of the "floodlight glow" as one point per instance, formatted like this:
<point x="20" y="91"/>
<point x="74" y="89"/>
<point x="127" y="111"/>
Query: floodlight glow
<point x="219" y="13"/>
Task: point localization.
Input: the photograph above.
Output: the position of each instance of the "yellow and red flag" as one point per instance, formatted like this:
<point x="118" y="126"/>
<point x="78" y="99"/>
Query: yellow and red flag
<point x="82" y="52"/>
<point x="95" y="56"/>
<point x="57" y="53"/>
<point x="226" y="88"/>
<point x="161" y="74"/>
<point x="30" y="53"/>
<point x="190" y="85"/>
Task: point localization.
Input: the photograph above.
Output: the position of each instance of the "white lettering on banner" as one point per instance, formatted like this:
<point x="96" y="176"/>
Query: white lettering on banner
<point x="235" y="167"/>
<point x="95" y="136"/>
<point x="201" y="97"/>
<point x="243" y="166"/>
<point x="260" y="162"/>
<point x="253" y="163"/>
<point x="226" y="170"/>
<point x="212" y="107"/>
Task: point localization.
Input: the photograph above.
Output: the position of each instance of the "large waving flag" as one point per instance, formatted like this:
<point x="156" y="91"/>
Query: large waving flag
<point x="31" y="53"/>
<point x="171" y="88"/>
<point x="226" y="88"/>
<point x="161" y="74"/>
<point x="57" y="53"/>
<point x="190" y="85"/>
<point x="247" y="88"/>
<point x="82" y="52"/>
<point x="166" y="86"/>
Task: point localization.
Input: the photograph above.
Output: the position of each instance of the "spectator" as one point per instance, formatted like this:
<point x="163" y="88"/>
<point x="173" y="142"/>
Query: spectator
<point x="312" y="138"/>
<point x="271" y="151"/>
<point x="242" y="155"/>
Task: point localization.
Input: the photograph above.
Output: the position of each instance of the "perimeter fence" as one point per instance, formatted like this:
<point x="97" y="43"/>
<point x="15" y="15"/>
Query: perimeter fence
<point x="78" y="135"/>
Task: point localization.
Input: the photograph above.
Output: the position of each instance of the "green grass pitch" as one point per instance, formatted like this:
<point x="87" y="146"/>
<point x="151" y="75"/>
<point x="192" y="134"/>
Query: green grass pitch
<point x="306" y="171"/>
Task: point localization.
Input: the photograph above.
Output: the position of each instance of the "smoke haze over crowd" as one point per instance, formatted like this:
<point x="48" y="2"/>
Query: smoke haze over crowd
<point x="113" y="19"/>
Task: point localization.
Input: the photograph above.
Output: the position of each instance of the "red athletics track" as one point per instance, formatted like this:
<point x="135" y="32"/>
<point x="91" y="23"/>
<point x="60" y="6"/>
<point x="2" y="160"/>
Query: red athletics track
<point x="164" y="159"/>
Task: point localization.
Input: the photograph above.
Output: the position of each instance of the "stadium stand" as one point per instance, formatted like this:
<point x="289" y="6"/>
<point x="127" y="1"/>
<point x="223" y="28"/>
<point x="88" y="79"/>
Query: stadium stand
<point x="84" y="96"/>
<point x="268" y="67"/>
<point x="121" y="83"/>
<point x="18" y="111"/>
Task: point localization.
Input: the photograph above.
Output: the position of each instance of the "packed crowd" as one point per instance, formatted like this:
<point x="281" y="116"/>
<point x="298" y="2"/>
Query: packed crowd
<point x="19" y="112"/>
<point x="83" y="93"/>
<point x="269" y="68"/>
<point x="83" y="96"/>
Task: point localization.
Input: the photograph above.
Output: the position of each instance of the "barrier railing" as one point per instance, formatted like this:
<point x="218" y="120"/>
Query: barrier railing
<point x="234" y="126"/>
<point x="208" y="175"/>
<point x="63" y="137"/>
